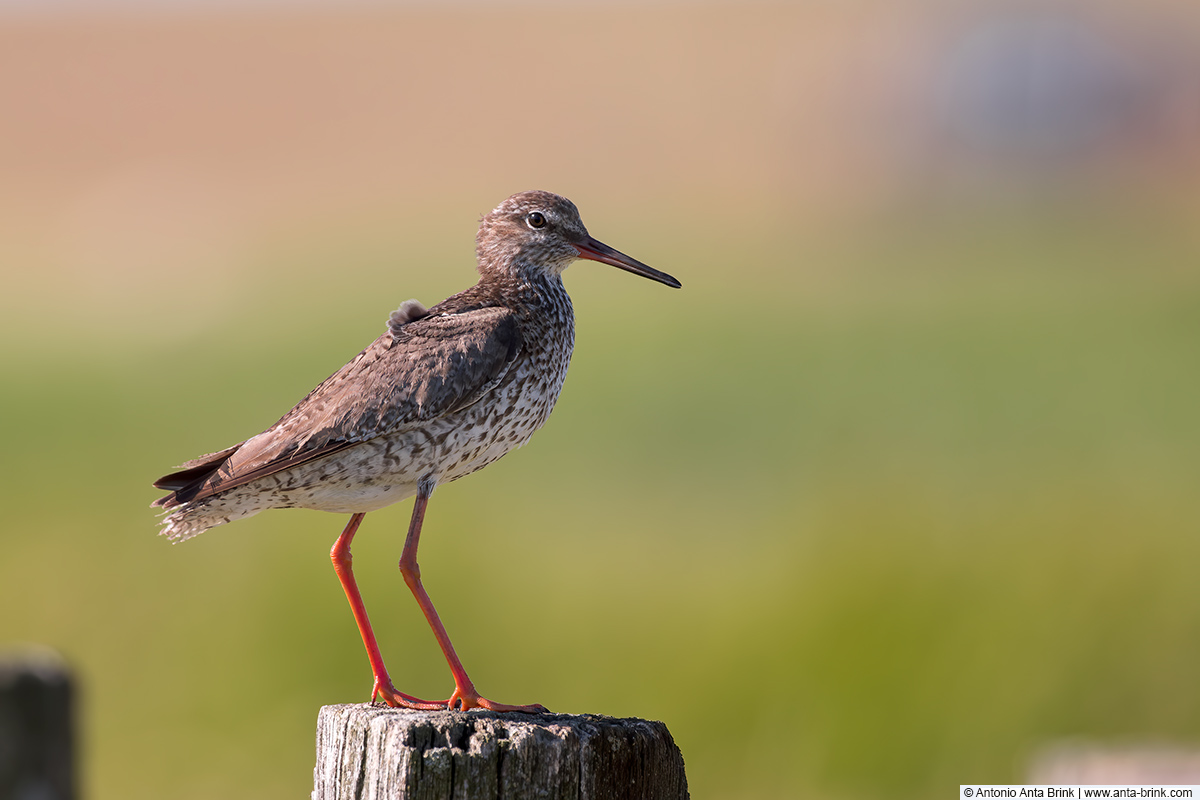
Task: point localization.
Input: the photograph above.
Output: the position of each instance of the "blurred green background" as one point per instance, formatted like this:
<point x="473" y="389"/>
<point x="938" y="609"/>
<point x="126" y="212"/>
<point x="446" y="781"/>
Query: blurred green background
<point x="898" y="491"/>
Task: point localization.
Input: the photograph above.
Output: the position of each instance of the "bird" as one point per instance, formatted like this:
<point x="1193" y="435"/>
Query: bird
<point x="443" y="392"/>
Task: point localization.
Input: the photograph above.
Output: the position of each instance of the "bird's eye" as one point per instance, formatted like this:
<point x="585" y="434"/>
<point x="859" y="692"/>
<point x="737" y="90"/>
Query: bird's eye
<point x="535" y="219"/>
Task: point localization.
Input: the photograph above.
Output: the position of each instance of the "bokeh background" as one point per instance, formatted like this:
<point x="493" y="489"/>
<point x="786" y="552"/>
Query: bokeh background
<point x="899" y="491"/>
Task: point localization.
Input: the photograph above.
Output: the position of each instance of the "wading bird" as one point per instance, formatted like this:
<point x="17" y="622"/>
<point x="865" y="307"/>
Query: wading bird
<point x="444" y="392"/>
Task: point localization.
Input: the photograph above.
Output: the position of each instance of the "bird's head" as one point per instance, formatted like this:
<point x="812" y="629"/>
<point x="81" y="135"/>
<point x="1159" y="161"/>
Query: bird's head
<point x="542" y="231"/>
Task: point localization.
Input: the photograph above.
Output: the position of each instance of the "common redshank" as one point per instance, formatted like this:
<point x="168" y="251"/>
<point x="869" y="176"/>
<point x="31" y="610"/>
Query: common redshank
<point x="444" y="392"/>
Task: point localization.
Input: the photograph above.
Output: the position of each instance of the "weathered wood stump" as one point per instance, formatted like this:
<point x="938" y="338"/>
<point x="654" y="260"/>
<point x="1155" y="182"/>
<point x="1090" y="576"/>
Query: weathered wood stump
<point x="371" y="753"/>
<point x="36" y="757"/>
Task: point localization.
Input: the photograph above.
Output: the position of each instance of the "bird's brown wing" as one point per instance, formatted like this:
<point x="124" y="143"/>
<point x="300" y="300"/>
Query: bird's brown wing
<point x="419" y="371"/>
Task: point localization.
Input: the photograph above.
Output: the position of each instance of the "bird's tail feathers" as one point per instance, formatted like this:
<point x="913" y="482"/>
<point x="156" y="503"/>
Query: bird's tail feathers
<point x="191" y="475"/>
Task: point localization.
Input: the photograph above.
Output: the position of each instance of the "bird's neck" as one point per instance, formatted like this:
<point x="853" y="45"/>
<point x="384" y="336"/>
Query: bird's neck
<point x="529" y="288"/>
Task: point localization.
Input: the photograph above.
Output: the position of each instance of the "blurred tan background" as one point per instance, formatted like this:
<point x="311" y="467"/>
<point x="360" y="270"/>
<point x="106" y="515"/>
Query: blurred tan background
<point x="899" y="492"/>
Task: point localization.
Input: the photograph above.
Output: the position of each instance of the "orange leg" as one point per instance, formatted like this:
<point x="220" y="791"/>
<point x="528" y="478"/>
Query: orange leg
<point x="465" y="696"/>
<point x="340" y="555"/>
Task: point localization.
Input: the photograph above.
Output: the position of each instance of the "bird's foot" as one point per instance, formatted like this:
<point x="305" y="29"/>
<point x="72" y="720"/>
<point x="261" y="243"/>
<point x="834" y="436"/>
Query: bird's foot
<point x="388" y="694"/>
<point x="465" y="700"/>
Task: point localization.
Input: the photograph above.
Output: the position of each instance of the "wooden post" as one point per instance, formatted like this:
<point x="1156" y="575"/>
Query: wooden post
<point x="369" y="752"/>
<point x="35" y="725"/>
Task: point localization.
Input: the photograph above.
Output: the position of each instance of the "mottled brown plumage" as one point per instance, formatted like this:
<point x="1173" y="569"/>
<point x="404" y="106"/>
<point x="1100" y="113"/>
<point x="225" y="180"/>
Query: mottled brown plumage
<point x="442" y="393"/>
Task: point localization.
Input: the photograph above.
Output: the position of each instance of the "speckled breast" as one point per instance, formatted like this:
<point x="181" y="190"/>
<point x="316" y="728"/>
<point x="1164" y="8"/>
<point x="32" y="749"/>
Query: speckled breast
<point x="505" y="418"/>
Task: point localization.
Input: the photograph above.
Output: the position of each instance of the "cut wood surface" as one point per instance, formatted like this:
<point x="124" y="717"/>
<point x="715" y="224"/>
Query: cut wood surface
<point x="366" y="751"/>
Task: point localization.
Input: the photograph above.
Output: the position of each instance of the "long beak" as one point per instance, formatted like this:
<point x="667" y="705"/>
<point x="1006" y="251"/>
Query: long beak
<point x="594" y="250"/>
